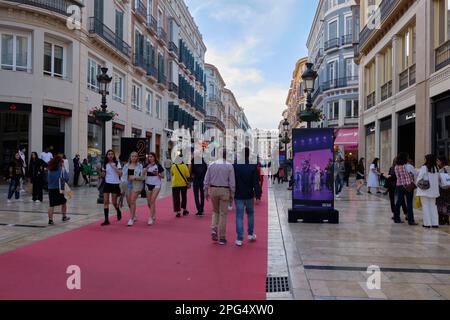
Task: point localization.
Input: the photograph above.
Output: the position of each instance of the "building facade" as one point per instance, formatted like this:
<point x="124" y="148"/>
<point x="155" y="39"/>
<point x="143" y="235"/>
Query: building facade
<point x="405" y="106"/>
<point x="330" y="49"/>
<point x="153" y="51"/>
<point x="215" y="107"/>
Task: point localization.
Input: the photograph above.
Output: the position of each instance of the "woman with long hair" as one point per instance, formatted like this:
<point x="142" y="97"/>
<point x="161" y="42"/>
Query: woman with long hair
<point x="391" y="186"/>
<point x="111" y="172"/>
<point x="428" y="191"/>
<point x="360" y="176"/>
<point x="57" y="177"/>
<point x="16" y="172"/>
<point x="36" y="170"/>
<point x="374" y="176"/>
<point x="133" y="176"/>
<point x="153" y="174"/>
<point x="443" y="202"/>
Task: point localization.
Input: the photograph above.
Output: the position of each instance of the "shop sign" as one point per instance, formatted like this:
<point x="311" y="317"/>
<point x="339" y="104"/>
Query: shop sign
<point x="58" y="111"/>
<point x="12" y="107"/>
<point x="118" y="126"/>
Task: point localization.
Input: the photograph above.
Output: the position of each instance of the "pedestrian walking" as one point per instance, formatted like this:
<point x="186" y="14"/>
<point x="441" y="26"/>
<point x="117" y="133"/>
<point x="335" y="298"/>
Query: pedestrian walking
<point x="180" y="184"/>
<point x="133" y="176"/>
<point x="16" y="172"/>
<point x="36" y="171"/>
<point x="339" y="172"/>
<point x="428" y="191"/>
<point x="374" y="176"/>
<point x="86" y="171"/>
<point x="76" y="170"/>
<point x="248" y="186"/>
<point x="391" y="185"/>
<point x="57" y="177"/>
<point x="168" y="165"/>
<point x="111" y="173"/>
<point x="220" y="187"/>
<point x="348" y="171"/>
<point x="360" y="176"/>
<point x="66" y="163"/>
<point x="443" y="202"/>
<point x="22" y="152"/>
<point x="405" y="188"/>
<point x="153" y="174"/>
<point x="198" y="170"/>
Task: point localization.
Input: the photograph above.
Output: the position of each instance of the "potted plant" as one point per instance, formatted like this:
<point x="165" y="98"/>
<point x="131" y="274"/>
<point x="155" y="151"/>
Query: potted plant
<point x="102" y="115"/>
<point x="311" y="115"/>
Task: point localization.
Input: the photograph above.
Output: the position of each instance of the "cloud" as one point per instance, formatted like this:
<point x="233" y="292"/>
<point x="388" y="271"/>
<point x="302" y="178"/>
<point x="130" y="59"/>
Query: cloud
<point x="243" y="37"/>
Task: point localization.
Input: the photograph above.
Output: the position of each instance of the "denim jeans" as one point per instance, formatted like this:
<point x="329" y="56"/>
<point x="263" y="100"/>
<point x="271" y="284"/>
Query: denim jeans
<point x="401" y="193"/>
<point x="168" y="175"/>
<point x="14" y="188"/>
<point x="240" y="205"/>
<point x="338" y="184"/>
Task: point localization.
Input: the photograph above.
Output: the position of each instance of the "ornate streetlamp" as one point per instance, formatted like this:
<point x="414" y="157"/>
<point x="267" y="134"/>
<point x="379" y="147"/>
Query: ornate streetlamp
<point x="101" y="114"/>
<point x="309" y="78"/>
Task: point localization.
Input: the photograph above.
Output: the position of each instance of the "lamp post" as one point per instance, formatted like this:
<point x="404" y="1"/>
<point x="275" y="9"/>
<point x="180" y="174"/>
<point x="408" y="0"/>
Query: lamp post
<point x="103" y="80"/>
<point x="309" y="78"/>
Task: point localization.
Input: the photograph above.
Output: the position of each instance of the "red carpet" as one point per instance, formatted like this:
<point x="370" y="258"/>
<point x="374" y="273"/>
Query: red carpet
<point x="174" y="259"/>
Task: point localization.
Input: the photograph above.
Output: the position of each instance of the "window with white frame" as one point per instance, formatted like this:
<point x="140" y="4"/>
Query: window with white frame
<point x="351" y="108"/>
<point x="333" y="110"/>
<point x="94" y="69"/>
<point x="332" y="71"/>
<point x="349" y="69"/>
<point x="54" y="59"/>
<point x="149" y="102"/>
<point x="158" y="107"/>
<point x="136" y="96"/>
<point x="118" y="86"/>
<point x="348" y="25"/>
<point x="333" y="30"/>
<point x="332" y="4"/>
<point x="15" y="49"/>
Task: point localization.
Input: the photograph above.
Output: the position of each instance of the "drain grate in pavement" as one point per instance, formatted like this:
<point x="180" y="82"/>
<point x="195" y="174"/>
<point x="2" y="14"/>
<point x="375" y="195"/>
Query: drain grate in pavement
<point x="277" y="284"/>
<point x="20" y="225"/>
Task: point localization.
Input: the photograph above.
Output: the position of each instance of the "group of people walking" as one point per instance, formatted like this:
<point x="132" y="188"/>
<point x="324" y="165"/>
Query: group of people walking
<point x="220" y="182"/>
<point x="429" y="184"/>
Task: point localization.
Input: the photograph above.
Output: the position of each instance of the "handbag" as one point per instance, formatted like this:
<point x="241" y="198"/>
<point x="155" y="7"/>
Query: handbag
<point x="444" y="180"/>
<point x="424" y="184"/>
<point x="64" y="187"/>
<point x="418" y="202"/>
<point x="188" y="184"/>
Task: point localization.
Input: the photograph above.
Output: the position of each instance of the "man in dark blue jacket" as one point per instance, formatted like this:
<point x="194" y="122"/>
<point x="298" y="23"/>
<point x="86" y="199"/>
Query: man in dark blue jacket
<point x="247" y="188"/>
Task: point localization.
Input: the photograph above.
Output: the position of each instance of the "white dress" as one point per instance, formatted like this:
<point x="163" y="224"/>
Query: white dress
<point x="374" y="179"/>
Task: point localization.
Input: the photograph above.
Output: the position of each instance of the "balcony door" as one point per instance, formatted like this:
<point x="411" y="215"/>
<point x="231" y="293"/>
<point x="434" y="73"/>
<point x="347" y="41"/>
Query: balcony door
<point x="99" y="10"/>
<point x="332" y="30"/>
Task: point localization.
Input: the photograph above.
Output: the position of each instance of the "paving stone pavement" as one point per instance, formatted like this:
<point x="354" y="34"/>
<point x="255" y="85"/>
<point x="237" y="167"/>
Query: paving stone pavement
<point x="318" y="256"/>
<point x="365" y="236"/>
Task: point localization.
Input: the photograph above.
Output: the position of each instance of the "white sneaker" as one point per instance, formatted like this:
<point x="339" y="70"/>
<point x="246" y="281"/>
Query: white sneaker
<point x="150" y="221"/>
<point x="38" y="201"/>
<point x="252" y="237"/>
<point x="239" y="243"/>
<point x="9" y="201"/>
<point x="130" y="222"/>
<point x="338" y="196"/>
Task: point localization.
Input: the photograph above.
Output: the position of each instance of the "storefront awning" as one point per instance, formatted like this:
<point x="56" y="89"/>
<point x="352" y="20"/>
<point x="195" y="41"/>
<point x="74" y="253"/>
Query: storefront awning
<point x="347" y="137"/>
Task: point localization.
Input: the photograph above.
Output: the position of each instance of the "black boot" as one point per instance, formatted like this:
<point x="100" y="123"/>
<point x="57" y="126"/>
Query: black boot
<point x="106" y="222"/>
<point x="119" y="214"/>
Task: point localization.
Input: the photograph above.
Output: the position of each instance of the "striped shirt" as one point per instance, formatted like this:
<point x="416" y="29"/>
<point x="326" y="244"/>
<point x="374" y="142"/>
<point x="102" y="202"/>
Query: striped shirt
<point x="404" y="178"/>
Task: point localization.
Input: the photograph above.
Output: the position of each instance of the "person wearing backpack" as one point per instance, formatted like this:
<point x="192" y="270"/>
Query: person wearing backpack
<point x="180" y="184"/>
<point x="428" y="191"/>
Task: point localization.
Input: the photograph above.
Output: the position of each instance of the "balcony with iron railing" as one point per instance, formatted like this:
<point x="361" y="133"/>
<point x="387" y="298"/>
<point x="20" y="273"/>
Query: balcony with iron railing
<point x="340" y="83"/>
<point x="384" y="9"/>
<point x="140" y="9"/>
<point x="370" y="100"/>
<point x="162" y="35"/>
<point x="442" y="56"/>
<point x="162" y="79"/>
<point x="347" y="39"/>
<point x="152" y="24"/>
<point x="97" y="27"/>
<point x="331" y="44"/>
<point x="57" y="6"/>
<point x="173" y="87"/>
<point x="386" y="90"/>
<point x="173" y="48"/>
<point x="407" y="78"/>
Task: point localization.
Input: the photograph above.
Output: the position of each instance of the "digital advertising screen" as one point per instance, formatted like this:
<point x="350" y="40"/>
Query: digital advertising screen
<point x="313" y="168"/>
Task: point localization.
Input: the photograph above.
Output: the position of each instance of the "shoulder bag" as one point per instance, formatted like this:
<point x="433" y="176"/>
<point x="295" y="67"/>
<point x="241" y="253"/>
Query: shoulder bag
<point x="188" y="184"/>
<point x="424" y="184"/>
<point x="64" y="187"/>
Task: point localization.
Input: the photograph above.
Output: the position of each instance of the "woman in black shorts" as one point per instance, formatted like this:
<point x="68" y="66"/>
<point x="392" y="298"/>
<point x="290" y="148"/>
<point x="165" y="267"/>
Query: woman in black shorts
<point x="153" y="173"/>
<point x="111" y="172"/>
